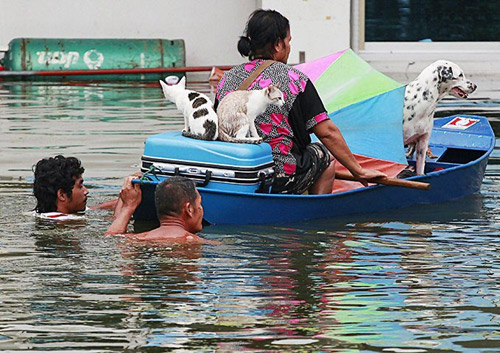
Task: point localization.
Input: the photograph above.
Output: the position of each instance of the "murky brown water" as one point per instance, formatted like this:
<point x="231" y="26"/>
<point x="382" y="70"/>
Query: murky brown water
<point x="424" y="279"/>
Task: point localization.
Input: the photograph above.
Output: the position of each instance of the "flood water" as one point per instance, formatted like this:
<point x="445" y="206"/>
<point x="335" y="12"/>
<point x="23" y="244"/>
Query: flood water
<point x="422" y="279"/>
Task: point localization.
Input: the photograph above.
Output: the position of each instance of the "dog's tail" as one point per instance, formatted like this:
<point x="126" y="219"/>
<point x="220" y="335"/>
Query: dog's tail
<point x="226" y="138"/>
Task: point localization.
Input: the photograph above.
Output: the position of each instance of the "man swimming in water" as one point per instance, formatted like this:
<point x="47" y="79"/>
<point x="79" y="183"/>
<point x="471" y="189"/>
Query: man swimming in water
<point x="178" y="207"/>
<point x="59" y="187"/>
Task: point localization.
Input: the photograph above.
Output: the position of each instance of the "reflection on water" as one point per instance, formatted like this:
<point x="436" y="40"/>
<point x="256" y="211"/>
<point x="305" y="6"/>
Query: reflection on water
<point x="105" y="125"/>
<point x="423" y="279"/>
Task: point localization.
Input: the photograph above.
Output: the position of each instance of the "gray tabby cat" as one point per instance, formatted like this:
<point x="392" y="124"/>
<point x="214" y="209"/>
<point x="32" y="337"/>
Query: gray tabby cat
<point x="237" y="112"/>
<point x="200" y="119"/>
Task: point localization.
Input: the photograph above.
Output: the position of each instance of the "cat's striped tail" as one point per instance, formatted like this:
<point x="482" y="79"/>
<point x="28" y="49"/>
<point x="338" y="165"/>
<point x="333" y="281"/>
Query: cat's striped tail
<point x="209" y="135"/>
<point x="226" y="138"/>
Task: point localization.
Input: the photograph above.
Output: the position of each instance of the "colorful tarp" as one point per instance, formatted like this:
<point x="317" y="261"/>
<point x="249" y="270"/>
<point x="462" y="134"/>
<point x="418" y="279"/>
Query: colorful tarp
<point x="366" y="105"/>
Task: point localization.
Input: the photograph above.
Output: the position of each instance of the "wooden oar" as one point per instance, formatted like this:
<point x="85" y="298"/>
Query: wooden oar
<point x="387" y="181"/>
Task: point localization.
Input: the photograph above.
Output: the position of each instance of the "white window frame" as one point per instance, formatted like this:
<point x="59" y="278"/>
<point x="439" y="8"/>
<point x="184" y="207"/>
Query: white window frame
<point x="477" y="57"/>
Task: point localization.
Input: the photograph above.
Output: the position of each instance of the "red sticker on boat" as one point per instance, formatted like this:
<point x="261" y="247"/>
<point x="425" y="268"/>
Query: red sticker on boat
<point x="460" y="123"/>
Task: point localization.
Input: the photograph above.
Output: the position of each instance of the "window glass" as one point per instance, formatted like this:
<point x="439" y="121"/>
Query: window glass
<point x="436" y="20"/>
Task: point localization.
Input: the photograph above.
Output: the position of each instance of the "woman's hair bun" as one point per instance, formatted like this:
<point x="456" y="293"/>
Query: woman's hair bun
<point x="244" y="46"/>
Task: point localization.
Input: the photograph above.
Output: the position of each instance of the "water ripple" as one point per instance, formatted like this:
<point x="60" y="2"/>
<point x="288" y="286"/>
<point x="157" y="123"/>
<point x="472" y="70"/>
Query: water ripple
<point x="422" y="279"/>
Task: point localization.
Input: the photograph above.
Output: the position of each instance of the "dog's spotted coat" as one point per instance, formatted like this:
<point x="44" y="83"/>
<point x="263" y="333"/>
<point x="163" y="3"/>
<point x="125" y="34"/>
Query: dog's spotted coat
<point x="421" y="98"/>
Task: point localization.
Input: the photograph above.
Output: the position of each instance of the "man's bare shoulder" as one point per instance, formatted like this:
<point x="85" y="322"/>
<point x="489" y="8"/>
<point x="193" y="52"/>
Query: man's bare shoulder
<point x="172" y="237"/>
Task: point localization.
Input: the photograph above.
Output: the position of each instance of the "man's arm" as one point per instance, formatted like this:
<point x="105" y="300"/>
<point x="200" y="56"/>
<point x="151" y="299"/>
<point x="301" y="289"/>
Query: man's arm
<point x="130" y="198"/>
<point x="329" y="134"/>
<point x="108" y="205"/>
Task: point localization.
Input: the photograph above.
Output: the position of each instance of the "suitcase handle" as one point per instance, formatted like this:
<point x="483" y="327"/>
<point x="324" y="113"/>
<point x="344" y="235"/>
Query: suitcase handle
<point x="208" y="176"/>
<point x="207" y="179"/>
<point x="264" y="186"/>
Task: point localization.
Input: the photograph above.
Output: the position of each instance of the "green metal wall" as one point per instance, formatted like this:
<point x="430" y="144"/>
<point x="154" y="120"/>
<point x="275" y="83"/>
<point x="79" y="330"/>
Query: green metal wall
<point x="42" y="54"/>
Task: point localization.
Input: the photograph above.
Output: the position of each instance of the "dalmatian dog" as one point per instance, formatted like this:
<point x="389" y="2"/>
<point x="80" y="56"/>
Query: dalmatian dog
<point x="421" y="98"/>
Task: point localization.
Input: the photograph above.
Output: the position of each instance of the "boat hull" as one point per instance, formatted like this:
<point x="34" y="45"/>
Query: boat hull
<point x="227" y="208"/>
<point x="449" y="181"/>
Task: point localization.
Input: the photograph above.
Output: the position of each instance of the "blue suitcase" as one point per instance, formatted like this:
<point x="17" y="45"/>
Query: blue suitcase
<point x="238" y="167"/>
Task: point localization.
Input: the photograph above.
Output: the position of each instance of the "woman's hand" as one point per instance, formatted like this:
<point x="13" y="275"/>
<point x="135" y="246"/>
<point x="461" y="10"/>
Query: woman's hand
<point x="364" y="176"/>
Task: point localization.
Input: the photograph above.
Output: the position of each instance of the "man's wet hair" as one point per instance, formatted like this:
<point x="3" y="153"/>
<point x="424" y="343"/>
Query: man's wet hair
<point x="172" y="194"/>
<point x="52" y="174"/>
<point x="263" y="30"/>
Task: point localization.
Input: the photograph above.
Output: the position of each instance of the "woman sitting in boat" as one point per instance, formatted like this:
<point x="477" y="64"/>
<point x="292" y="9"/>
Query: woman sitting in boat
<point x="300" y="165"/>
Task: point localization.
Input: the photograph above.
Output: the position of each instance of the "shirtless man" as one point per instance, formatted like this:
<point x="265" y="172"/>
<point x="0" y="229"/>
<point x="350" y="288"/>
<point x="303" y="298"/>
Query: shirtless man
<point x="178" y="206"/>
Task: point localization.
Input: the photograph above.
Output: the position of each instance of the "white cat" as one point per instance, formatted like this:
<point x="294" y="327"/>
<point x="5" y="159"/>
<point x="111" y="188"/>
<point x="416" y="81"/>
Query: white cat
<point x="237" y="112"/>
<point x="200" y="119"/>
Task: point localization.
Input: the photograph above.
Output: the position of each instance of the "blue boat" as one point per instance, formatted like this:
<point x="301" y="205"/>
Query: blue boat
<point x="367" y="106"/>
<point x="462" y="144"/>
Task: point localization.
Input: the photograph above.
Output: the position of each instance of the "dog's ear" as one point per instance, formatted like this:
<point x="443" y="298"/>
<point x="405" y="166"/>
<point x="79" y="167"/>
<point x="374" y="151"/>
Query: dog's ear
<point x="445" y="73"/>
